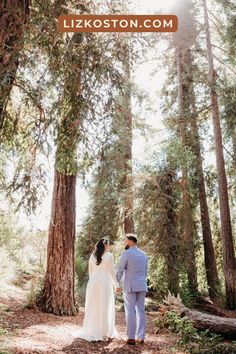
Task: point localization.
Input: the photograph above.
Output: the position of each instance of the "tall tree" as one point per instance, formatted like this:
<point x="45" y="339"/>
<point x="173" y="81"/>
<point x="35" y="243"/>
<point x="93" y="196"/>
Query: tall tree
<point x="13" y="17"/>
<point x="58" y="293"/>
<point x="112" y="189"/>
<point x="172" y="257"/>
<point x="182" y="45"/>
<point x="104" y="217"/>
<point x="187" y="211"/>
<point x="226" y="227"/>
<point x="126" y="112"/>
<point x="209" y="253"/>
<point x="157" y="213"/>
<point x="87" y="94"/>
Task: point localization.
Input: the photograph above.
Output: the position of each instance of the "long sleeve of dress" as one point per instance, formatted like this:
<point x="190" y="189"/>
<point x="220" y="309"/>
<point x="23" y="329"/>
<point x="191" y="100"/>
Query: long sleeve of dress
<point x="111" y="270"/>
<point x="90" y="266"/>
<point x="121" y="267"/>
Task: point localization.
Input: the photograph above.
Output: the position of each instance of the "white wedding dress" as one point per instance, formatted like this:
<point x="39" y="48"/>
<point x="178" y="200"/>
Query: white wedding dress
<point x="99" y="320"/>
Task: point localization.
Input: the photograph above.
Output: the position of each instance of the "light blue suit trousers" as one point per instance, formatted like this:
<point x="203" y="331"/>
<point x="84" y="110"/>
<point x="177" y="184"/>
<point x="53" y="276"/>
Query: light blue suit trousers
<point x="133" y="267"/>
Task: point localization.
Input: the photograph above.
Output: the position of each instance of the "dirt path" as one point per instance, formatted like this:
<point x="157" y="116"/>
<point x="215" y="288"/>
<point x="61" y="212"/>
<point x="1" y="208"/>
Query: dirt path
<point x="33" y="332"/>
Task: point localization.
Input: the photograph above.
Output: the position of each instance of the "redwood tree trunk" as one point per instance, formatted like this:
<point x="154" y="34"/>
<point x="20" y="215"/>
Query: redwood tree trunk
<point x="201" y="320"/>
<point x="128" y="136"/>
<point x="226" y="228"/>
<point x="13" y="16"/>
<point x="58" y="294"/>
<point x="209" y="252"/>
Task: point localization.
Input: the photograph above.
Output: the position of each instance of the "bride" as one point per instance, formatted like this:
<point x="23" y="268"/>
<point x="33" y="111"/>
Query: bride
<point x="99" y="320"/>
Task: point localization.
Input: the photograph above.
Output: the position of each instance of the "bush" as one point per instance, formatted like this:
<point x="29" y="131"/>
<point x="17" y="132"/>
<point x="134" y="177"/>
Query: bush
<point x="33" y="295"/>
<point x="81" y="270"/>
<point x="195" y="342"/>
<point x="157" y="284"/>
<point x="20" y="250"/>
<point x="222" y="348"/>
<point x="3" y="332"/>
<point x="182" y="326"/>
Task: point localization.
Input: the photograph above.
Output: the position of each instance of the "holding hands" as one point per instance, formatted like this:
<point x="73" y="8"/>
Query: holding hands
<point x="118" y="290"/>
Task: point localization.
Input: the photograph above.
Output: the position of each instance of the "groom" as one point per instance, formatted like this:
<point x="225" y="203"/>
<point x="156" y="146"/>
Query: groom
<point x="133" y="264"/>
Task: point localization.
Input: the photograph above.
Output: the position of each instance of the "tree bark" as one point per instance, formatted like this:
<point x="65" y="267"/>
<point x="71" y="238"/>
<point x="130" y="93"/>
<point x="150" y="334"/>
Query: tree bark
<point x="13" y="16"/>
<point x="226" y="228"/>
<point x="128" y="136"/>
<point x="58" y="294"/>
<point x="209" y="252"/>
<point x="203" y="321"/>
<point x="206" y="305"/>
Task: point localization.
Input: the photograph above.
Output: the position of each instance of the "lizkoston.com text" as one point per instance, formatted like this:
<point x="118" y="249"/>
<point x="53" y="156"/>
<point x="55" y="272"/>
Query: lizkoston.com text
<point x="117" y="24"/>
<point x="106" y="23"/>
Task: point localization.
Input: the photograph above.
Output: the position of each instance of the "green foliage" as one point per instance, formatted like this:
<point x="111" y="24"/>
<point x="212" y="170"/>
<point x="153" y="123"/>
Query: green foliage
<point x="103" y="219"/>
<point x="66" y="87"/>
<point x="178" y="155"/>
<point x="222" y="348"/>
<point x="187" y="296"/>
<point x="158" y="220"/>
<point x="182" y="326"/>
<point x="189" y="337"/>
<point x="23" y="258"/>
<point x="108" y="191"/>
<point x="81" y="270"/>
<point x="33" y="294"/>
<point x="4" y="308"/>
<point x="20" y="250"/>
<point x="228" y="102"/>
<point x="157" y="280"/>
<point x="2" y="331"/>
<point x="228" y="7"/>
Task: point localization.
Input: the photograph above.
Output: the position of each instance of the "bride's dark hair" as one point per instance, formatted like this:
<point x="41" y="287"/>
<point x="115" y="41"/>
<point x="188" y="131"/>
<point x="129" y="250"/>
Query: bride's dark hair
<point x="100" y="249"/>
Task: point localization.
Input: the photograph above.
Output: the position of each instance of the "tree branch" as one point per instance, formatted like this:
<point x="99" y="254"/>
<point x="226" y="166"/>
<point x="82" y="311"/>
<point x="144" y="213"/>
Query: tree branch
<point x="229" y="153"/>
<point x="228" y="67"/>
<point x="216" y="46"/>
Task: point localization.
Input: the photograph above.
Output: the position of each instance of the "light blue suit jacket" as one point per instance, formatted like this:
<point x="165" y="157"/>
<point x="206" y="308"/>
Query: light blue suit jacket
<point x="133" y="265"/>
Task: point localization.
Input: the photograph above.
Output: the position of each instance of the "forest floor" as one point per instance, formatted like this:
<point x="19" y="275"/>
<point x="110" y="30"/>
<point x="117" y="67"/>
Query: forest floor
<point x="29" y="331"/>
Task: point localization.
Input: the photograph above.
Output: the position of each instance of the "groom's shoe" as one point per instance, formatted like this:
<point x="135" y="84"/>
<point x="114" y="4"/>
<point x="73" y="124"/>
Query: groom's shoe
<point x="131" y="341"/>
<point x="139" y="341"/>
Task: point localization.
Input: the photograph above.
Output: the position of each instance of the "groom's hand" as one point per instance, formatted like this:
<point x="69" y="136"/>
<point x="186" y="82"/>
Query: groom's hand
<point x="118" y="290"/>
